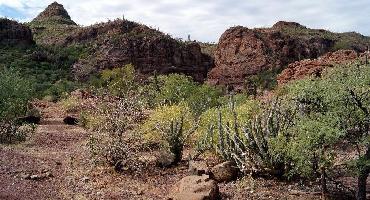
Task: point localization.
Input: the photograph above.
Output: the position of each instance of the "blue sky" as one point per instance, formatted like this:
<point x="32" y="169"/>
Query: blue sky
<point x="206" y="20"/>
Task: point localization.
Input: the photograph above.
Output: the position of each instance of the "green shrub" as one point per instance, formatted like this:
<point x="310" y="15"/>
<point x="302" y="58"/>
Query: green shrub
<point x="162" y="118"/>
<point x="175" y="88"/>
<point x="119" y="81"/>
<point x="329" y="110"/>
<point x="15" y="92"/>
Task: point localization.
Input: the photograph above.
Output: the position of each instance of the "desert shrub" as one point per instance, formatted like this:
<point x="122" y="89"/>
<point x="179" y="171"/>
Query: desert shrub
<point x="10" y="132"/>
<point x="118" y="81"/>
<point x="330" y="110"/>
<point x="111" y="121"/>
<point x="71" y="104"/>
<point x="169" y="89"/>
<point x="175" y="88"/>
<point x="162" y="117"/>
<point x="59" y="89"/>
<point x="210" y="118"/>
<point x="15" y="92"/>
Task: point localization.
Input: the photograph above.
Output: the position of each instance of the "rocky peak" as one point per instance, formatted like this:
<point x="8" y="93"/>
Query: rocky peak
<point x="55" y="12"/>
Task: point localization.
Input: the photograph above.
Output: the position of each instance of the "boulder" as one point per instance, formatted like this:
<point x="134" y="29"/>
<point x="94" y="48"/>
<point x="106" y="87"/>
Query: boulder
<point x="224" y="172"/>
<point x="70" y="120"/>
<point x="195" y="188"/>
<point x="198" y="168"/>
<point x="165" y="159"/>
<point x="29" y="119"/>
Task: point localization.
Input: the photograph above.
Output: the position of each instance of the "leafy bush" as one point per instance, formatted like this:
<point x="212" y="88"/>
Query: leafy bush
<point x="329" y="111"/>
<point x="119" y="81"/>
<point x="175" y="88"/>
<point x="15" y="92"/>
<point x="162" y="117"/>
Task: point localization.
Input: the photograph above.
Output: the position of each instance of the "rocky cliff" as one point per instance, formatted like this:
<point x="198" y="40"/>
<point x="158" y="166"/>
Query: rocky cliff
<point x="119" y="42"/>
<point x="243" y="52"/>
<point x="14" y="33"/>
<point x="315" y="67"/>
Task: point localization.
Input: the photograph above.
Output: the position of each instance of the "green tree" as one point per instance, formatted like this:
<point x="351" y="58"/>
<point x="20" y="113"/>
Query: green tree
<point x="329" y="110"/>
<point x="15" y="92"/>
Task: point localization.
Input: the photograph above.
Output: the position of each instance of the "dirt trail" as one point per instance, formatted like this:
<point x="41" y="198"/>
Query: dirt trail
<point x="48" y="154"/>
<point x="62" y="151"/>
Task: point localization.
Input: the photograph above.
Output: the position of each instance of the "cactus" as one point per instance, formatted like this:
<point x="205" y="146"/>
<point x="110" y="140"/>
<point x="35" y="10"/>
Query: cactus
<point x="247" y="144"/>
<point x="175" y="137"/>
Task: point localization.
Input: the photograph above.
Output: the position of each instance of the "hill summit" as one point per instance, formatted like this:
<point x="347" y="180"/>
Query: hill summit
<point x="55" y="13"/>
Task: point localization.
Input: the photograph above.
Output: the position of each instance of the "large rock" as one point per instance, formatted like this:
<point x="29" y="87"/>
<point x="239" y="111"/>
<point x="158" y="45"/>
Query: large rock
<point x="224" y="172"/>
<point x="244" y="52"/>
<point x="198" y="168"/>
<point x="195" y="188"/>
<point x="14" y="33"/>
<point x="314" y="67"/>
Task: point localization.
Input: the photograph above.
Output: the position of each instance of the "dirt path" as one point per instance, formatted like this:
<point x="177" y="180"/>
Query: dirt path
<point x="58" y="155"/>
<point x="47" y="157"/>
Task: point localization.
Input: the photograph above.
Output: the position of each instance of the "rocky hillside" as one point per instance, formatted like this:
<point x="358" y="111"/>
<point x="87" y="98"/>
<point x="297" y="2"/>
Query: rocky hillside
<point x="119" y="42"/>
<point x="243" y="52"/>
<point x="14" y="33"/>
<point x="315" y="67"/>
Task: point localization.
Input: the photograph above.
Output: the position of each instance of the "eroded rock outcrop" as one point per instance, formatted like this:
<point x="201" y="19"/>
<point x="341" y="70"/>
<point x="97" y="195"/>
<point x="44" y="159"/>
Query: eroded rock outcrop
<point x="55" y="13"/>
<point x="314" y="67"/>
<point x="122" y="42"/>
<point x="243" y="52"/>
<point x="14" y="33"/>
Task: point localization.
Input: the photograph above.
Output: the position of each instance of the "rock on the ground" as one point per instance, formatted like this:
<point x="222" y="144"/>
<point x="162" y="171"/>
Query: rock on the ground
<point x="224" y="172"/>
<point x="30" y="119"/>
<point x="165" y="159"/>
<point x="198" y="168"/>
<point x="195" y="188"/>
<point x="70" y="120"/>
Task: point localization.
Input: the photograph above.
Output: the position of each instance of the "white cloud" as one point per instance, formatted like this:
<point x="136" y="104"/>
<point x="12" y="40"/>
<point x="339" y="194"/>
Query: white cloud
<point x="206" y="20"/>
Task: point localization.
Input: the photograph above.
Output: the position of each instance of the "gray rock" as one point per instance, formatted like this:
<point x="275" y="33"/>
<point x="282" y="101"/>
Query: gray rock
<point x="198" y="168"/>
<point x="165" y="159"/>
<point x="224" y="172"/>
<point x="195" y="188"/>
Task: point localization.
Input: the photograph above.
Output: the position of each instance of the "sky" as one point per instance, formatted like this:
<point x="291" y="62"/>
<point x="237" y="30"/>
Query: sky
<point x="206" y="20"/>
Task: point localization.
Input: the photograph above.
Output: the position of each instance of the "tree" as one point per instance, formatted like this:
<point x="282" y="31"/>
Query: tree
<point x="331" y="109"/>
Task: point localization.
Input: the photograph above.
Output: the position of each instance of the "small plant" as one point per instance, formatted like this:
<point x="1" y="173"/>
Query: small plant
<point x="175" y="137"/>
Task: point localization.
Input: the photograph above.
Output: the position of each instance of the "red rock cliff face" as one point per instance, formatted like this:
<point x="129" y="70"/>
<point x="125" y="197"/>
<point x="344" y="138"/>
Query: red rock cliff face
<point x="14" y="33"/>
<point x="314" y="67"/>
<point x="122" y="42"/>
<point x="242" y="52"/>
